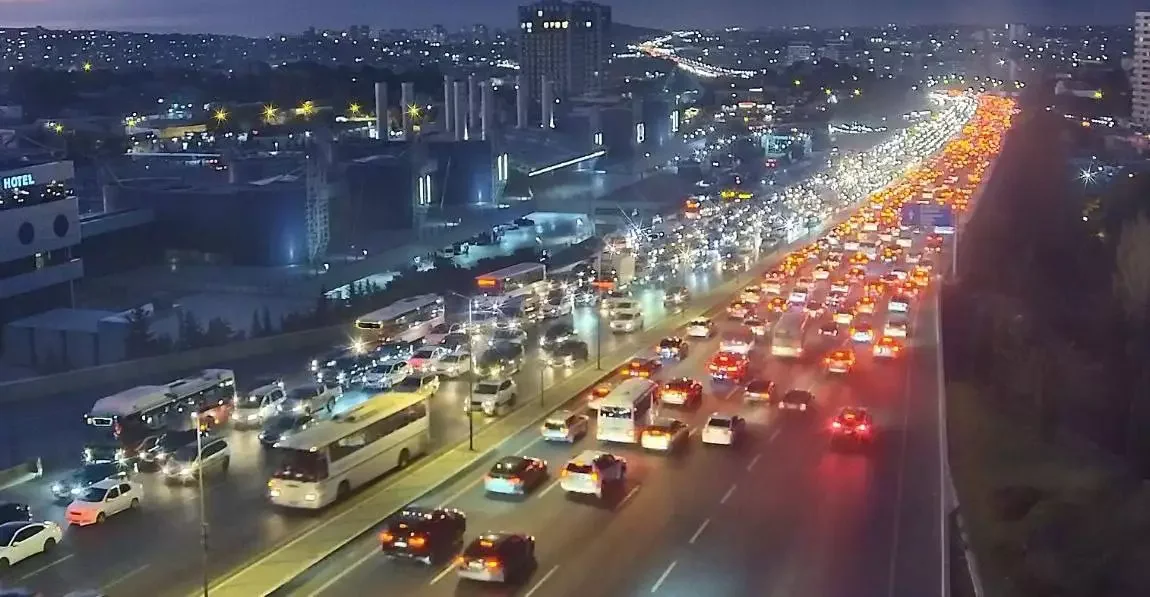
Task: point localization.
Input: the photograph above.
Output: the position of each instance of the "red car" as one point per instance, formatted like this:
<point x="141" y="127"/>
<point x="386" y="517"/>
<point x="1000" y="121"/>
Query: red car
<point x="683" y="391"/>
<point x="852" y="423"/>
<point x="728" y="366"/>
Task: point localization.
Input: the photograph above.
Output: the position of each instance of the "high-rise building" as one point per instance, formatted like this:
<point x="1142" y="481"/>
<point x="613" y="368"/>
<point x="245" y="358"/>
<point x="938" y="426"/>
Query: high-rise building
<point x="1016" y="32"/>
<point x="1140" y="78"/>
<point x="569" y="43"/>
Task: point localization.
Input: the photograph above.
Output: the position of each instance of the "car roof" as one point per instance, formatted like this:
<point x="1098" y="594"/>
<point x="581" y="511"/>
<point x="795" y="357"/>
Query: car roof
<point x="588" y="456"/>
<point x="722" y="416"/>
<point x="17" y="524"/>
<point x="107" y="483"/>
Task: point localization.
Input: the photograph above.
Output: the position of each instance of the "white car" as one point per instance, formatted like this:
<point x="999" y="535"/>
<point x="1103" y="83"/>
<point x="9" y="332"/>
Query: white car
<point x="895" y="328"/>
<point x="454" y="365"/>
<point x="898" y="304"/>
<point x="565" y="426"/>
<point x="385" y="375"/>
<point x="426" y="358"/>
<point x="851" y="245"/>
<point x="840" y="286"/>
<point x="492" y="396"/>
<point x="723" y="429"/>
<point x="418" y="383"/>
<point x="797" y="297"/>
<point x="106" y="498"/>
<point x="441" y="331"/>
<point x="664" y="435"/>
<point x="773" y="287"/>
<point x="626" y="321"/>
<point x="23" y="539"/>
<point x="700" y="328"/>
<point x="591" y="472"/>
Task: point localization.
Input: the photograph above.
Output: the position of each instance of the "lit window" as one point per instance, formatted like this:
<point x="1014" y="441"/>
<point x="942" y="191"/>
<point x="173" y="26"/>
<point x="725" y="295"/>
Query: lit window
<point x="565" y="24"/>
<point x="588" y="23"/>
<point x="539" y="13"/>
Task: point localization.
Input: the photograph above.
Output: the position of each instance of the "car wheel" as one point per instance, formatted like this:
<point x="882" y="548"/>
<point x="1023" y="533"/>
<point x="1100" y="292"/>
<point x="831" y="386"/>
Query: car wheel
<point x="343" y="490"/>
<point x="133" y="505"/>
<point x="49" y="543"/>
<point x="226" y="464"/>
<point x="4" y="563"/>
<point x="100" y="518"/>
<point x="404" y="458"/>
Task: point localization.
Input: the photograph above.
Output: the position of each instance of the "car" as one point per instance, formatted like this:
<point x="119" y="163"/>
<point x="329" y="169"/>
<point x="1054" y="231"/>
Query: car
<point x="626" y="321"/>
<point x="757" y="326"/>
<point x="497" y="557"/>
<point x="454" y="365"/>
<point x="856" y="274"/>
<point x="750" y="294"/>
<point x="515" y="475"/>
<point x="821" y="272"/>
<point x="912" y="258"/>
<point x="738" y="310"/>
<point x="344" y="370"/>
<point x="66" y="489"/>
<point x="20" y="540"/>
<point x="492" y="396"/>
<point x="723" y="429"/>
<point x="309" y="399"/>
<point x="843" y="316"/>
<point x="423" y="534"/>
<point x="500" y="361"/>
<point x="566" y="354"/>
<point x="385" y="375"/>
<point x="592" y="472"/>
<point x="419" y="383"/>
<point x="156" y="449"/>
<point x="558" y="306"/>
<point x="836" y="299"/>
<point x="830" y="329"/>
<point x="283" y="426"/>
<point x="441" y="331"/>
<point x="840" y="285"/>
<point x="773" y="286"/>
<point x="887" y="347"/>
<point x="676" y="297"/>
<point x="896" y="327"/>
<point x="193" y="460"/>
<point x="106" y="498"/>
<point x="14" y="512"/>
<point x="797" y="297"/>
<point x="700" y="328"/>
<point x="673" y="347"/>
<point x="840" y="361"/>
<point x="556" y="334"/>
<point x="741" y="341"/>
<point x="900" y="303"/>
<point x="565" y="426"/>
<point x="777" y="304"/>
<point x="730" y="366"/>
<point x="909" y="289"/>
<point x="682" y="391"/>
<point x="853" y="424"/>
<point x="804" y="284"/>
<point x="865" y="305"/>
<point x="800" y="400"/>
<point x="664" y="434"/>
<point x="597" y="394"/>
<point x="253" y="403"/>
<point x="507" y="336"/>
<point x="759" y="390"/>
<point x="861" y="332"/>
<point x="641" y="367"/>
<point x="426" y="358"/>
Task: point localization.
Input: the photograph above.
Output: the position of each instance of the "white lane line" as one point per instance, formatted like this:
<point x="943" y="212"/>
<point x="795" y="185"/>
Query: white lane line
<point x="900" y="479"/>
<point x="699" y="531"/>
<point x="664" y="576"/>
<point x="371" y="553"/>
<point x="727" y="496"/>
<point x="548" y="489"/>
<point x="47" y="566"/>
<point x="774" y="434"/>
<point x="108" y="587"/>
<point x="692" y="432"/>
<point x="455" y="496"/>
<point x="754" y="460"/>
<point x="520" y="451"/>
<point x="630" y="495"/>
<point x="541" y="581"/>
<point x="442" y="573"/>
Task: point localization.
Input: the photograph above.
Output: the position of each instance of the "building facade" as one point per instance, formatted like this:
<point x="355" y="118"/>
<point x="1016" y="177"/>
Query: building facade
<point x="39" y="228"/>
<point x="1140" y="77"/>
<point x="568" y="43"/>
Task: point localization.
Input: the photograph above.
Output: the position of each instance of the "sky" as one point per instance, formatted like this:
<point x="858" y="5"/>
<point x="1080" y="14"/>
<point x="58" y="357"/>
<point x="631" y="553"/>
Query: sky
<point x="264" y="17"/>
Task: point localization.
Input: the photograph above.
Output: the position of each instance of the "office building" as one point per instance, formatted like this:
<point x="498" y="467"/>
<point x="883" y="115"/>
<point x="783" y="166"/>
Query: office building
<point x="1140" y="78"/>
<point x="799" y="53"/>
<point x="566" y="43"/>
<point x="39" y="227"/>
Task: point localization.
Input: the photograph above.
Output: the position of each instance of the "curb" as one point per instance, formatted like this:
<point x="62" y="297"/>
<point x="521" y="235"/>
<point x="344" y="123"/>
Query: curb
<point x="21" y="473"/>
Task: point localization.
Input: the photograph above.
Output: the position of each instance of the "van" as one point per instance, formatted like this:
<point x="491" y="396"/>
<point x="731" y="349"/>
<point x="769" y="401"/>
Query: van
<point x="187" y="463"/>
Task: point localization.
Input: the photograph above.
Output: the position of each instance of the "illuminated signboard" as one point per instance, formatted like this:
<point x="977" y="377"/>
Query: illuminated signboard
<point x="17" y="181"/>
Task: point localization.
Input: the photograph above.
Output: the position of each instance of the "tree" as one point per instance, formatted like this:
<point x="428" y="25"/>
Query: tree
<point x="256" y="329"/>
<point x="1132" y="290"/>
<point x="139" y="341"/>
<point x="191" y="332"/>
<point x="219" y="332"/>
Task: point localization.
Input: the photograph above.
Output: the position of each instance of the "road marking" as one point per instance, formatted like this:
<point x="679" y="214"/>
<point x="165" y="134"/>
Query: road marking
<point x="664" y="576"/>
<point x="727" y="496"/>
<point x="630" y="495"/>
<point x="108" y="587"/>
<point x="751" y="464"/>
<point x="47" y="566"/>
<point x="442" y="573"/>
<point x="692" y="432"/>
<point x="774" y="434"/>
<point x="371" y="553"/>
<point x="459" y="494"/>
<point x="900" y="478"/>
<point x="520" y="451"/>
<point x="541" y="581"/>
<point x="943" y="463"/>
<point x="548" y="489"/>
<point x="699" y="531"/>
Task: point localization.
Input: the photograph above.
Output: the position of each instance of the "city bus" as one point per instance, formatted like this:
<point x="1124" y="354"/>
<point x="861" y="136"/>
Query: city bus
<point x="125" y="419"/>
<point x="626" y="409"/>
<point x="524" y="279"/>
<point x="326" y="461"/>
<point x="406" y="320"/>
<point x="787" y="335"/>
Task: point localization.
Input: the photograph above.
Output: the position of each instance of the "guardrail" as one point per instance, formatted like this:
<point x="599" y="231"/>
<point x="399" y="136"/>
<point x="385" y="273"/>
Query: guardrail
<point x="21" y="473"/>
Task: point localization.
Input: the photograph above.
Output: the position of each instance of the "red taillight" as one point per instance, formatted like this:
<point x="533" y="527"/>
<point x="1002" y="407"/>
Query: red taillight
<point x="837" y="425"/>
<point x="417" y="541"/>
<point x="594" y="477"/>
<point x="491" y="564"/>
<point x="386" y="537"/>
<point x="861" y="428"/>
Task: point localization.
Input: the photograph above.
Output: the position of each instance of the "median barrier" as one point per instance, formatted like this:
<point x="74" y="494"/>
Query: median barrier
<point x="21" y="473"/>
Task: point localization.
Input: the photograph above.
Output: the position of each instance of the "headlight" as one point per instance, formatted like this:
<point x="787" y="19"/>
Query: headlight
<point x="254" y="417"/>
<point x="187" y="471"/>
<point x="274" y="492"/>
<point x="121" y="454"/>
<point x="57" y="487"/>
<point x="77" y="490"/>
<point x="299" y="408"/>
<point x="87" y="454"/>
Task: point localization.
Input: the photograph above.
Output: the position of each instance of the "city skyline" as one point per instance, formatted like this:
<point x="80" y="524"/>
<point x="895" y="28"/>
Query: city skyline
<point x="264" y="17"/>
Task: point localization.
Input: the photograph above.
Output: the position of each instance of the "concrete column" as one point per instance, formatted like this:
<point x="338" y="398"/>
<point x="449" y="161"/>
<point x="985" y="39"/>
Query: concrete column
<point x="381" y="116"/>
<point x="487" y="109"/>
<point x="448" y="106"/>
<point x="521" y="100"/>
<point x="547" y="104"/>
<point x="407" y="96"/>
<point x="473" y="125"/>
<point x="460" y="105"/>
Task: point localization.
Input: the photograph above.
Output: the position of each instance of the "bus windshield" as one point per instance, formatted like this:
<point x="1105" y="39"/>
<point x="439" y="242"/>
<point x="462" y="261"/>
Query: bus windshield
<point x="303" y="466"/>
<point x="615" y="412"/>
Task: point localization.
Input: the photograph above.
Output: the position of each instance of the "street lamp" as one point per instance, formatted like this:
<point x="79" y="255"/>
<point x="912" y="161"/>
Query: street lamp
<point x="203" y="504"/>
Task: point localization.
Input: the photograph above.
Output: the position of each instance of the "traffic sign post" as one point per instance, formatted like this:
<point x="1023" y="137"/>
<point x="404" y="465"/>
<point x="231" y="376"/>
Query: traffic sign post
<point x="939" y="218"/>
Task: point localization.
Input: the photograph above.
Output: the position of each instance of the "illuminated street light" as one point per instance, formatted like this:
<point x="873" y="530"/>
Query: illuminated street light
<point x="307" y="108"/>
<point x="87" y="67"/>
<point x="413" y="111"/>
<point x="271" y="113"/>
<point x="354" y="109"/>
<point x="221" y="115"/>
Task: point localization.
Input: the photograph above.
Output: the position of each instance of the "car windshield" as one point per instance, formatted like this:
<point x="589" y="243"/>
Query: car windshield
<point x="304" y="393"/>
<point x="281" y="424"/>
<point x="759" y="387"/>
<point x="455" y="358"/>
<point x="7" y="531"/>
<point x="508" y="467"/>
<point x="669" y="343"/>
<point x="487" y="388"/>
<point x="555" y="425"/>
<point x="577" y="468"/>
<point x="663" y="425"/>
<point x="409" y="384"/>
<point x="624" y="316"/>
<point x="95" y="472"/>
<point x="186" y="454"/>
<point x="424" y="353"/>
<point x="699" y="322"/>
<point x="481" y="548"/>
<point x="93" y="494"/>
<point x="719" y="422"/>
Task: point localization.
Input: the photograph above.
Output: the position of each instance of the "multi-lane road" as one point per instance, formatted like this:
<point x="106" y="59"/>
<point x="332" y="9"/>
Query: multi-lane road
<point x="780" y="515"/>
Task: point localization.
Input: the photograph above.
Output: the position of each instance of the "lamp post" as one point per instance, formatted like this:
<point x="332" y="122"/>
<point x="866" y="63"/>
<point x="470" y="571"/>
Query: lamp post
<point x="472" y="373"/>
<point x="203" y="504"/>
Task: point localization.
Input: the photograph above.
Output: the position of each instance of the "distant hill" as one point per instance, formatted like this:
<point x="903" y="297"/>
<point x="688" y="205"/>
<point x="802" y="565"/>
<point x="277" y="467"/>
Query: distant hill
<point x="624" y="33"/>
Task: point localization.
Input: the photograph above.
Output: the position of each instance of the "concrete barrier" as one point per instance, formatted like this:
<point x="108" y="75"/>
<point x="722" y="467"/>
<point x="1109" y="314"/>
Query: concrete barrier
<point x="126" y="373"/>
<point x="21" y="473"/>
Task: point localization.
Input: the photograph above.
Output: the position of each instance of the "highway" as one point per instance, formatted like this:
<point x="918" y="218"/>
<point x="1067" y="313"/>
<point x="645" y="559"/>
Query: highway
<point x="780" y="515"/>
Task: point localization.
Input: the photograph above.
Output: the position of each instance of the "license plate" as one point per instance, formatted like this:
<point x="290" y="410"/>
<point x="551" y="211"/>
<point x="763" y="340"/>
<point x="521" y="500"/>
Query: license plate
<point x="475" y="566"/>
<point x="400" y="544"/>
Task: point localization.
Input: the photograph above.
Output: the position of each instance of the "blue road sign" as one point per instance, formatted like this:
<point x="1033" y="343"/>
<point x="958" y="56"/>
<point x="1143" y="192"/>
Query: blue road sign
<point x="940" y="218"/>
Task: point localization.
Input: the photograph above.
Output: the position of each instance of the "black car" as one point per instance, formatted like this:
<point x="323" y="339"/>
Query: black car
<point x="515" y="475"/>
<point x="800" y="400"/>
<point x="74" y="484"/>
<point x="157" y="449"/>
<point x="345" y="370"/>
<point x="673" y="347"/>
<point x="557" y="334"/>
<point x="498" y="557"/>
<point x="567" y="353"/>
<point x="424" y="534"/>
<point x="280" y="427"/>
<point x="13" y="512"/>
<point x="759" y="390"/>
<point x="505" y="358"/>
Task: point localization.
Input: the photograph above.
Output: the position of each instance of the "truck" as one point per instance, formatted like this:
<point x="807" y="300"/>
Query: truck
<point x="787" y="334"/>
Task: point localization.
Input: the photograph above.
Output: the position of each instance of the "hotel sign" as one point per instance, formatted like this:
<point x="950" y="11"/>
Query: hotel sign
<point x="16" y="181"/>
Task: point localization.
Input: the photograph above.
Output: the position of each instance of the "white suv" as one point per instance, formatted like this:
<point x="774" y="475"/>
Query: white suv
<point x="592" y="471"/>
<point x="627" y="321"/>
<point x="385" y="375"/>
<point x="493" y="396"/>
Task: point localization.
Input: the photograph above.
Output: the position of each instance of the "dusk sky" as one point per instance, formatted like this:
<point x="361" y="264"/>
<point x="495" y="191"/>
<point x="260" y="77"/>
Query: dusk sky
<point x="262" y="17"/>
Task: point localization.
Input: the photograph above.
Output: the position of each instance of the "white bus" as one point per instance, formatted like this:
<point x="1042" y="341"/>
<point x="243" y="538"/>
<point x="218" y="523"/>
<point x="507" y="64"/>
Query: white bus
<point x="624" y="411"/>
<point x="406" y="320"/>
<point x="787" y="335"/>
<point x="325" y="462"/>
<point x="514" y="281"/>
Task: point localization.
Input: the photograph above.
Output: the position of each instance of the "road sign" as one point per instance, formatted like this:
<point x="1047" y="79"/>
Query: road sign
<point x="939" y="218"/>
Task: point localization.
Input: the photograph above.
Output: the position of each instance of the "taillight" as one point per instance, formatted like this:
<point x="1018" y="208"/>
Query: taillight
<point x="491" y="564"/>
<point x="514" y="480"/>
<point x="862" y="427"/>
<point x="594" y="477"/>
<point x="417" y="541"/>
<point x="386" y="537"/>
<point x="563" y="473"/>
<point x="837" y="425"/>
